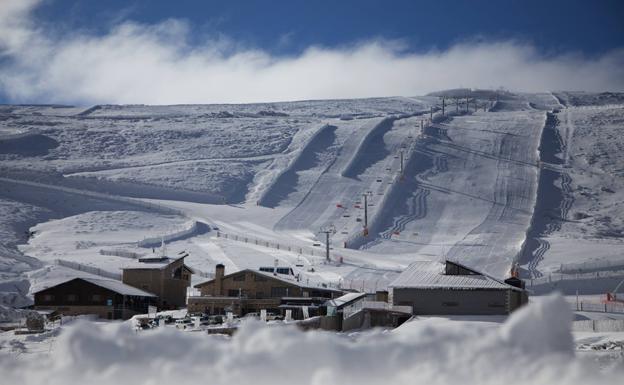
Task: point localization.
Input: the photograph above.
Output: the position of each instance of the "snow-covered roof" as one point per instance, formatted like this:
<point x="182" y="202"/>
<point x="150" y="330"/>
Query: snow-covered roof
<point x="303" y="282"/>
<point x="292" y="280"/>
<point x="431" y="275"/>
<point x="150" y="263"/>
<point x="345" y="299"/>
<point x="119" y="287"/>
<point x="113" y="285"/>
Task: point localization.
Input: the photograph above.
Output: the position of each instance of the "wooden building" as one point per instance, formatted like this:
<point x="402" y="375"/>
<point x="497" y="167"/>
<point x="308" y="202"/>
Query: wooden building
<point x="106" y="298"/>
<point x="452" y="288"/>
<point x="252" y="290"/>
<point x="168" y="278"/>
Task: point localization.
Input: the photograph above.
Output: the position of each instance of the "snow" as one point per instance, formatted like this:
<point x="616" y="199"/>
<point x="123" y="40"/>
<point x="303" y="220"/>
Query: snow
<point x="535" y="345"/>
<point x="472" y="189"/>
<point x="584" y="210"/>
<point x="430" y="274"/>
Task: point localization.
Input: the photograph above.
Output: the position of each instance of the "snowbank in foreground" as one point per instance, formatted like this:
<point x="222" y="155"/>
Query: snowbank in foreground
<point x="534" y="346"/>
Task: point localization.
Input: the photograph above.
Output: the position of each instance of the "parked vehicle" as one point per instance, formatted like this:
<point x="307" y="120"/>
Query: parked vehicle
<point x="183" y="323"/>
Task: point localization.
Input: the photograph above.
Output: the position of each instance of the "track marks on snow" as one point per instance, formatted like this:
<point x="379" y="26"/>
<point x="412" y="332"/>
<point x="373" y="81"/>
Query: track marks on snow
<point x="310" y="157"/>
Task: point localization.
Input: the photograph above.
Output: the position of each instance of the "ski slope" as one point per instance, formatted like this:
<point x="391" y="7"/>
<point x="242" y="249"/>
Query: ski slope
<point x="527" y="178"/>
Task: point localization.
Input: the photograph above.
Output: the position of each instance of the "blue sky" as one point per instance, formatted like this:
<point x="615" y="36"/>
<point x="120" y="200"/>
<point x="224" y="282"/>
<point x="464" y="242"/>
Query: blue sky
<point x="290" y="26"/>
<point x="124" y="51"/>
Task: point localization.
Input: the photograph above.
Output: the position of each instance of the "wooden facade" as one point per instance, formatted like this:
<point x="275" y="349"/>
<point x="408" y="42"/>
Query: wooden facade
<point x="84" y="296"/>
<point x="169" y="282"/>
<point x="250" y="291"/>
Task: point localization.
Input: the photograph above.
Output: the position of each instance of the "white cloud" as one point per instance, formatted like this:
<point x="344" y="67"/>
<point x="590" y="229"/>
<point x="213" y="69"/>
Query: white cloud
<point x="137" y="63"/>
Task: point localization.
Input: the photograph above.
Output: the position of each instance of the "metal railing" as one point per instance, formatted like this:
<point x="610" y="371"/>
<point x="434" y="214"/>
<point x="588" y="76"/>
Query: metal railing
<point x="607" y="307"/>
<point x="556" y="277"/>
<point x="350" y="310"/>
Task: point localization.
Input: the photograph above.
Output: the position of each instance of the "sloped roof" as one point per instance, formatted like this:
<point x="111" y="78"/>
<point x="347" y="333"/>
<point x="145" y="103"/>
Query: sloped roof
<point x="431" y="275"/>
<point x="151" y="263"/>
<point x="278" y="277"/>
<point x="110" y="284"/>
<point x="345" y="299"/>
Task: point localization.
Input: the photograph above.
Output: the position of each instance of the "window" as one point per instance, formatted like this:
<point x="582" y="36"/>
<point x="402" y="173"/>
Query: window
<point x="279" y="292"/>
<point x="72" y="298"/>
<point x="450" y="304"/>
<point x="240" y="277"/>
<point x="96" y="298"/>
<point x="48" y="298"/>
<point x="233" y="293"/>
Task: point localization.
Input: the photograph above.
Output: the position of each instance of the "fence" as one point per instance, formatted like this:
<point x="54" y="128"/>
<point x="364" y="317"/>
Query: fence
<point x="555" y="277"/>
<point x="602" y="325"/>
<point x="591" y="267"/>
<point x="279" y="246"/>
<point x="303" y="250"/>
<point x="88" y="269"/>
<point x="121" y="253"/>
<point x="377" y="305"/>
<point x="610" y="307"/>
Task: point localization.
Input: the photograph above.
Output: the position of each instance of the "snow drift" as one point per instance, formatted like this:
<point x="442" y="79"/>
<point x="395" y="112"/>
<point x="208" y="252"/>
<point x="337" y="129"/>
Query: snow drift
<point x="534" y="346"/>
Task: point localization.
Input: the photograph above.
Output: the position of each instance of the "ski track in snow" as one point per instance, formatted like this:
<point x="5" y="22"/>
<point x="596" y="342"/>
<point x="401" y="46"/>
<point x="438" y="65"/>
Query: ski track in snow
<point x="471" y="184"/>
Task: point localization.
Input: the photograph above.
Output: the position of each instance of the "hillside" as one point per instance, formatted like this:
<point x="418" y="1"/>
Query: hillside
<point x="528" y="178"/>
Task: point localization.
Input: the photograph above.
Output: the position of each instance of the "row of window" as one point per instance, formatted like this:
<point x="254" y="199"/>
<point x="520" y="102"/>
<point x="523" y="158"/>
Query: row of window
<point x="241" y="278"/>
<point x="72" y="298"/>
<point x="276" y="292"/>
<point x="453" y="304"/>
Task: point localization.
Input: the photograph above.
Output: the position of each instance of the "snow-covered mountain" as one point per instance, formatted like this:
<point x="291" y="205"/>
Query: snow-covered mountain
<point x="529" y="178"/>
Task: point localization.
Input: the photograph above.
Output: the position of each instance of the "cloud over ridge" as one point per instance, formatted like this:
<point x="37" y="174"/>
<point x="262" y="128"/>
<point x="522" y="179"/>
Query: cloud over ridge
<point x="155" y="64"/>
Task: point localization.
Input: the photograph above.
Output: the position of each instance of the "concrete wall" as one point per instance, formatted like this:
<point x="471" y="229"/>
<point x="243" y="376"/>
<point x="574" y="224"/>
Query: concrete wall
<point x="454" y="302"/>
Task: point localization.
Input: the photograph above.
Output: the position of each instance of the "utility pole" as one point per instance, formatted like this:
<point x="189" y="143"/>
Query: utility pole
<point x="422" y="127"/>
<point x="457" y="105"/>
<point x="467" y="101"/>
<point x="365" y="195"/>
<point x="401" y="153"/>
<point x="365" y="210"/>
<point x="443" y="106"/>
<point x="331" y="229"/>
<point x="431" y="114"/>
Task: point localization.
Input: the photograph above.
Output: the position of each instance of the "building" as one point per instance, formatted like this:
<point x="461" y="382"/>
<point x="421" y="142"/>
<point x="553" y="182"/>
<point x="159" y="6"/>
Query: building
<point x="166" y="277"/>
<point x="252" y="290"/>
<point x="364" y="311"/>
<point x="451" y="288"/>
<point x="106" y="298"/>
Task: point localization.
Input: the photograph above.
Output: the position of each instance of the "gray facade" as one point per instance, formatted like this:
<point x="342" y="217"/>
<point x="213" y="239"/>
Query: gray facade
<point x="458" y="302"/>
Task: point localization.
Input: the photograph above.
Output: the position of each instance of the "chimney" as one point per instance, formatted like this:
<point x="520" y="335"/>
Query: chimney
<point x="219" y="273"/>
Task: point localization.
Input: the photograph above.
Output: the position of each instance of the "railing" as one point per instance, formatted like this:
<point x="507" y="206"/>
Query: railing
<point x="591" y="267"/>
<point x="88" y="269"/>
<point x="602" y="325"/>
<point x="350" y="310"/>
<point x="280" y="246"/>
<point x="607" y="307"/>
<point x="555" y="277"/>
<point x="303" y="250"/>
<point x="121" y="253"/>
